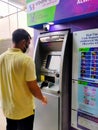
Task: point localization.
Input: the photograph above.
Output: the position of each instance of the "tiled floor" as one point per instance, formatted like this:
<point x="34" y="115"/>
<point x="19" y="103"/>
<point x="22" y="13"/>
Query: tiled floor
<point x="2" y="121"/>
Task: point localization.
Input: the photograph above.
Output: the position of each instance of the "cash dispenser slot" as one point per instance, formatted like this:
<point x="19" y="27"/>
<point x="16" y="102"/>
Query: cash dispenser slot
<point x="49" y="82"/>
<point x="49" y="85"/>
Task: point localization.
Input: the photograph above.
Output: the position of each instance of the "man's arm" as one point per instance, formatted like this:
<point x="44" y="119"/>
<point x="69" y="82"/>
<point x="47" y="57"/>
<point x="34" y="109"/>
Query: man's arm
<point x="35" y="90"/>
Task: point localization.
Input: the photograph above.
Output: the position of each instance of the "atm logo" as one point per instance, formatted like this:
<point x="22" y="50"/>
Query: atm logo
<point x="82" y="1"/>
<point x="41" y="4"/>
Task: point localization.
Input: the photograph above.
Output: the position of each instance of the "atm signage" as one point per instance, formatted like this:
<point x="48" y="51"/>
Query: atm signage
<point x="41" y="4"/>
<point x="44" y="11"/>
<point x="82" y="1"/>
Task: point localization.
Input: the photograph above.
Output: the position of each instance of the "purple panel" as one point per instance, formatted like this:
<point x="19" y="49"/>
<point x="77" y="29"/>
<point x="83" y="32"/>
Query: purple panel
<point x="72" y="8"/>
<point x="88" y="118"/>
<point x="77" y="25"/>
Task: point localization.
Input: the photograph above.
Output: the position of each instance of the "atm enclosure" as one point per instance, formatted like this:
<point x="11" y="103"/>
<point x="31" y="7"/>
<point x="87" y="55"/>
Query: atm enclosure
<point x="53" y="69"/>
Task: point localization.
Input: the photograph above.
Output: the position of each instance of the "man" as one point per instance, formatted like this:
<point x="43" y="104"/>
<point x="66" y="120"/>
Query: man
<point x="18" y="85"/>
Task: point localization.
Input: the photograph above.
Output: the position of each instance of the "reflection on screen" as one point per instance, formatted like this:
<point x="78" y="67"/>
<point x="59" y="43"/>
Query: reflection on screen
<point x="53" y="62"/>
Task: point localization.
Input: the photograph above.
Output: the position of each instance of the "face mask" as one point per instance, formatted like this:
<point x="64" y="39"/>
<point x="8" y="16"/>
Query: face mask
<point x="25" y="48"/>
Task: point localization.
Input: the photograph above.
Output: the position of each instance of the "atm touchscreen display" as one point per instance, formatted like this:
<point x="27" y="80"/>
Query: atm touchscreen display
<point x="53" y="62"/>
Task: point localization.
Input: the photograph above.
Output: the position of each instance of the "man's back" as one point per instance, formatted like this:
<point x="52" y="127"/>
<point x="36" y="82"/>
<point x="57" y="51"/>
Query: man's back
<point x="17" y="100"/>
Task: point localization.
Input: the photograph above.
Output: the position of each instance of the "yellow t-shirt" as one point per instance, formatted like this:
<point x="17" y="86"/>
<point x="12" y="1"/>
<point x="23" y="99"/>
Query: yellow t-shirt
<point x="15" y="69"/>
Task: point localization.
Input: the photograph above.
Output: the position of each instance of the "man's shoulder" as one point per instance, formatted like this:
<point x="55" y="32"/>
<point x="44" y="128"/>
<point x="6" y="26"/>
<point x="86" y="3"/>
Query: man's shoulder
<point x="3" y="54"/>
<point x="27" y="58"/>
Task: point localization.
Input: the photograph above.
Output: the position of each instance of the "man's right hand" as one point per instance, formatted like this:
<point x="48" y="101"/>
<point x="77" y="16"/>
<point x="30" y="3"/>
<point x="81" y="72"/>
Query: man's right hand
<point x="36" y="91"/>
<point x="44" y="100"/>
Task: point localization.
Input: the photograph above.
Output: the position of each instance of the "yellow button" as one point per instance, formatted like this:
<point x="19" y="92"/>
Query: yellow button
<point x="42" y="78"/>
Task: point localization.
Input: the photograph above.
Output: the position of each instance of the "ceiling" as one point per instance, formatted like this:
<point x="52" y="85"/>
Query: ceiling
<point x="8" y="7"/>
<point x="20" y="2"/>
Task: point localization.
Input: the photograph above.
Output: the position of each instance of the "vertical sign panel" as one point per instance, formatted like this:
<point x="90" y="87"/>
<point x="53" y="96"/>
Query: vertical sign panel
<point x="85" y="72"/>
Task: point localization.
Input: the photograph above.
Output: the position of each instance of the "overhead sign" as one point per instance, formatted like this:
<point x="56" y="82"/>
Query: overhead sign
<point x="43" y="11"/>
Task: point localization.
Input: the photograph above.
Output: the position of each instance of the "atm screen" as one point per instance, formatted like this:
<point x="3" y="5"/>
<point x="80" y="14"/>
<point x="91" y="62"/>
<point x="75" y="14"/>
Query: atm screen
<point x="53" y="62"/>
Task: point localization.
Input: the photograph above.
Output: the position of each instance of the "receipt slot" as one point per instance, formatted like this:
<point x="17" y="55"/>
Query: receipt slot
<point x="53" y="69"/>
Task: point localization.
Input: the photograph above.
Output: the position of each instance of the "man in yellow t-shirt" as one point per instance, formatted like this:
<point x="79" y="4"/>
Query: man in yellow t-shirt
<point x="18" y="85"/>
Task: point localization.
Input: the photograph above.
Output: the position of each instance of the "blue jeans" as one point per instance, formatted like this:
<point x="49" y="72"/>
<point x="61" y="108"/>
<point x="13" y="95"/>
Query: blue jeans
<point x="23" y="124"/>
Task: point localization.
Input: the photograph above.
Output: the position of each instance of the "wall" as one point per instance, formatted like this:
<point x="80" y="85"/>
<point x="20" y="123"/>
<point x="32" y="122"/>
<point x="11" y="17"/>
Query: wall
<point x="10" y="23"/>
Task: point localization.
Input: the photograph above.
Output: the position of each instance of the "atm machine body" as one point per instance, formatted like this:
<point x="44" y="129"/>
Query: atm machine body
<point x="53" y="69"/>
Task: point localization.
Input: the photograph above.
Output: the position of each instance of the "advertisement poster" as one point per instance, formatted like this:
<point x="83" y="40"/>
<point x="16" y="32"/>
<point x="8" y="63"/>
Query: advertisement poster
<point x="86" y="51"/>
<point x="89" y="62"/>
<point x="86" y="74"/>
<point x="88" y="97"/>
<point x="43" y="11"/>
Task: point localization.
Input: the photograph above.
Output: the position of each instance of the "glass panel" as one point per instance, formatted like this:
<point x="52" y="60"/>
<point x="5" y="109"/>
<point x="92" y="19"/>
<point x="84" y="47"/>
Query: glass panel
<point x="3" y="9"/>
<point x="7" y="8"/>
<point x="4" y="28"/>
<point x="12" y="9"/>
<point x="13" y="23"/>
<point x="22" y="22"/>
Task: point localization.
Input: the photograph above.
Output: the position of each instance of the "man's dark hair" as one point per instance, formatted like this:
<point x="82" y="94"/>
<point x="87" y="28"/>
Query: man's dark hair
<point x="19" y="35"/>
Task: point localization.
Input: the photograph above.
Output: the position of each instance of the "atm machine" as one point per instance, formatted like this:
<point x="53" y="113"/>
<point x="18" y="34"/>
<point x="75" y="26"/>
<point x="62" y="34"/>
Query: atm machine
<point x="52" y="58"/>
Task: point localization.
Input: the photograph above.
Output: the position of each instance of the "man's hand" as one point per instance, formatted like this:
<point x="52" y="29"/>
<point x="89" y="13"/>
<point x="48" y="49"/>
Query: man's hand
<point x="44" y="101"/>
<point x="36" y="91"/>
